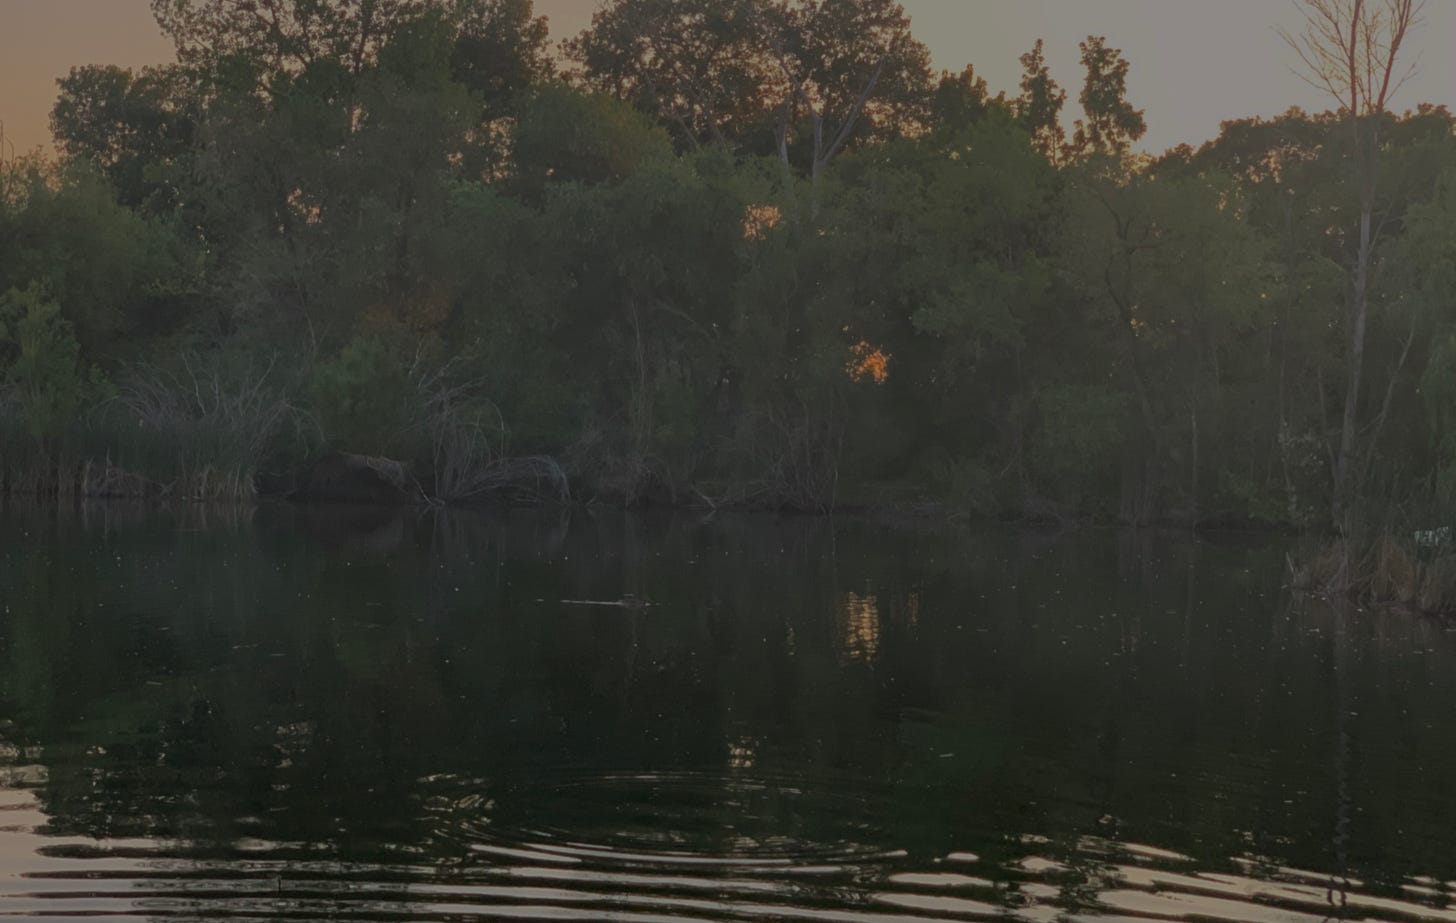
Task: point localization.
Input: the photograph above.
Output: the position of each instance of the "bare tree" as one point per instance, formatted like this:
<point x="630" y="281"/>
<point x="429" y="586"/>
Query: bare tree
<point x="1352" y="50"/>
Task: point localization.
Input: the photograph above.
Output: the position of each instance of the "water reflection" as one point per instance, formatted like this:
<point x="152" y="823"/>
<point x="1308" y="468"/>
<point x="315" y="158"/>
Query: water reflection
<point x="368" y="715"/>
<point x="861" y="617"/>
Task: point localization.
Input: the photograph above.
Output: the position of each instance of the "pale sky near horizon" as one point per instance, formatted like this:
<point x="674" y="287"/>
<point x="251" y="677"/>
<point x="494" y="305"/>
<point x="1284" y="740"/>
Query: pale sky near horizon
<point x="1195" y="63"/>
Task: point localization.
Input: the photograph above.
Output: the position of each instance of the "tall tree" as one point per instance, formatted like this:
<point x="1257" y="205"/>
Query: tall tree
<point x="1352" y="49"/>
<point x="812" y="77"/>
<point x="501" y="49"/>
<point x="961" y="100"/>
<point x="853" y="70"/>
<point x="1172" y="273"/>
<point x="500" y="45"/>
<point x="281" y="35"/>
<point x="1040" y="104"/>
<point x="132" y="126"/>
<point x="114" y="272"/>
<point x="694" y="65"/>
<point x="1111" y="124"/>
<point x="330" y="134"/>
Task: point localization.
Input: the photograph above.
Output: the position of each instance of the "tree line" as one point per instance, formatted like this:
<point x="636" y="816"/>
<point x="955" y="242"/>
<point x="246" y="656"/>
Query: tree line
<point x="723" y="252"/>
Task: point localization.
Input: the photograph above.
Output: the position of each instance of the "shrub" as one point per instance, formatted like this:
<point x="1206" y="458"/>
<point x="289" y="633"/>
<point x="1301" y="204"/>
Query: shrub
<point x="200" y="433"/>
<point x="364" y="400"/>
<point x="43" y="379"/>
<point x="376" y="401"/>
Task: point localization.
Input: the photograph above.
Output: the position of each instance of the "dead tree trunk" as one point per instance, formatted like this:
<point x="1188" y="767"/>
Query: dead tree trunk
<point x="1351" y="49"/>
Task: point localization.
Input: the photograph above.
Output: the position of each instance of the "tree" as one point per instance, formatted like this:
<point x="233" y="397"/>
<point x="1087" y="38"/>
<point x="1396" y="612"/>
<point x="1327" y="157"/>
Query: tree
<point x="1351" y="49"/>
<point x="853" y="71"/>
<point x="114" y="272"/>
<point x="331" y="133"/>
<point x="1172" y="275"/>
<point x="695" y="65"/>
<point x="499" y="46"/>
<point x="811" y="77"/>
<point x="1111" y="124"/>
<point x="1040" y="105"/>
<point x="281" y="35"/>
<point x="501" y="50"/>
<point x="1297" y="175"/>
<point x="962" y="100"/>
<point x="564" y="136"/>
<point x="135" y="127"/>
<point x="1290" y="171"/>
<point x="1419" y="324"/>
<point x="41" y="369"/>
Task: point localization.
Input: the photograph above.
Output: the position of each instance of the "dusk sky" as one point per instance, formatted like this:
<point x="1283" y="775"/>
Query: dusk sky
<point x="1195" y="63"/>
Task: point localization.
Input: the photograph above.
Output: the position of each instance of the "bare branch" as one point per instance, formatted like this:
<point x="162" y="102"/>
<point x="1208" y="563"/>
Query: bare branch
<point x="1351" y="49"/>
<point x="847" y="129"/>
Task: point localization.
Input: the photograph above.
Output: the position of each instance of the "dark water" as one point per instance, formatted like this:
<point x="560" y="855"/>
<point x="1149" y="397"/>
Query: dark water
<point x="297" y="715"/>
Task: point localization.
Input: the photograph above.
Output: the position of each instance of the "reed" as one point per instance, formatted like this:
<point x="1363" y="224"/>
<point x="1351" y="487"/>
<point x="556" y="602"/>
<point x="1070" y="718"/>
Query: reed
<point x="1387" y="563"/>
<point x="196" y="434"/>
<point x="193" y="435"/>
<point x="467" y="438"/>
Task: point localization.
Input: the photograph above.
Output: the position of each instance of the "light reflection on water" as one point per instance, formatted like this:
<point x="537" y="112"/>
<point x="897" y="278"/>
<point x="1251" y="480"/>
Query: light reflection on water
<point x="358" y="715"/>
<point x="861" y="615"/>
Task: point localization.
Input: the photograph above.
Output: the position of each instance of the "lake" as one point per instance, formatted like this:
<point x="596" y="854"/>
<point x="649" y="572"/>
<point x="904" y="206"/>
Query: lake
<point x="367" y="714"/>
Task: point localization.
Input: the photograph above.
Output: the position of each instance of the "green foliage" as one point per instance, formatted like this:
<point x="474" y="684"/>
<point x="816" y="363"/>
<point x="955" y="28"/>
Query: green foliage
<point x="961" y="100"/>
<point x="137" y="128"/>
<point x="1438" y="392"/>
<point x="804" y="79"/>
<point x="200" y="429"/>
<point x="1040" y="105"/>
<point x="114" y="271"/>
<point x="427" y="411"/>
<point x="564" y="136"/>
<point x="1078" y="444"/>
<point x="44" y="378"/>
<point x="749" y="252"/>
<point x="362" y="398"/>
<point x="1111" y="124"/>
<point x="722" y="93"/>
<point x="966" y="485"/>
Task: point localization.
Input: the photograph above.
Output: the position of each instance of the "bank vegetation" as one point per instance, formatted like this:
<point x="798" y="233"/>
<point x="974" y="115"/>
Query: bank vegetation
<point x="749" y="254"/>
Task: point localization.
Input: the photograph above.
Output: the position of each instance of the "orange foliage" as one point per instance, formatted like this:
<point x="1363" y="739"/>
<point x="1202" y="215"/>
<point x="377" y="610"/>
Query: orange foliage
<point x="868" y="363"/>
<point x="758" y="220"/>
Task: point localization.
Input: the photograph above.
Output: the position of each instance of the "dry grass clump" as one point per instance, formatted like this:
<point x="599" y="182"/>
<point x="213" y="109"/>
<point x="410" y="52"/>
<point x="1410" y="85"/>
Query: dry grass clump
<point x="1388" y="568"/>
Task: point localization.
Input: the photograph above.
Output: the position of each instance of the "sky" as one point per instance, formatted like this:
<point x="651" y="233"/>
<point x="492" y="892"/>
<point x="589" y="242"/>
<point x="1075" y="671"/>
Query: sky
<point x="1195" y="63"/>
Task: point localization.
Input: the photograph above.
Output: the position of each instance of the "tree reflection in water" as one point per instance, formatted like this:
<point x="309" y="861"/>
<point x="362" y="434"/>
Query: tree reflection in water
<point x="345" y="712"/>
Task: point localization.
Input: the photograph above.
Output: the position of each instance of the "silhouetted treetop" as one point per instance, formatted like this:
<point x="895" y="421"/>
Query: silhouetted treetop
<point x="497" y="42"/>
<point x="805" y="77"/>
<point x="1111" y="124"/>
<point x="1040" y="104"/>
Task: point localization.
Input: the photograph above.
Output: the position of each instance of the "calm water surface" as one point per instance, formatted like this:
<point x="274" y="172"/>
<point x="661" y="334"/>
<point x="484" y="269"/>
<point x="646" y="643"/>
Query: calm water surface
<point x="285" y="714"/>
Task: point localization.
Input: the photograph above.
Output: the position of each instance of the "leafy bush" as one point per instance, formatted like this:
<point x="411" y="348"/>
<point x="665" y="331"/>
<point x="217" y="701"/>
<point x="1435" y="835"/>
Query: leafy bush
<point x="364" y="400"/>
<point x="429" y="413"/>
<point x="43" y="379"/>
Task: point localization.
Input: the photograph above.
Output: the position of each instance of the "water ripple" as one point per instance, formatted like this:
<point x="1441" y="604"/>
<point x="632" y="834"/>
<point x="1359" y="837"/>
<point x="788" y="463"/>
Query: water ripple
<point x="645" y="849"/>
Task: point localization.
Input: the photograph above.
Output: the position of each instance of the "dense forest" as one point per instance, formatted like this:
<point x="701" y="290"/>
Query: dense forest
<point x="717" y="252"/>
